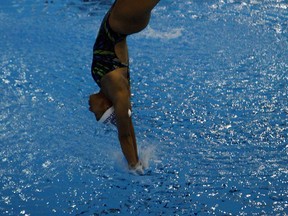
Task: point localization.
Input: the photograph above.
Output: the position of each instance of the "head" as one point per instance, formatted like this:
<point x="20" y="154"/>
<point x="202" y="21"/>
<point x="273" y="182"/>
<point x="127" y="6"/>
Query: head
<point x="99" y="104"/>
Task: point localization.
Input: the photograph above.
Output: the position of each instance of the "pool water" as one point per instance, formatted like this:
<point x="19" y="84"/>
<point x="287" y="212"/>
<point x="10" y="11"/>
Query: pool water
<point x="210" y="108"/>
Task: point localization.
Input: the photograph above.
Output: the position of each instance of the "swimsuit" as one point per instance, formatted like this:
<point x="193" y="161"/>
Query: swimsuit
<point x="105" y="59"/>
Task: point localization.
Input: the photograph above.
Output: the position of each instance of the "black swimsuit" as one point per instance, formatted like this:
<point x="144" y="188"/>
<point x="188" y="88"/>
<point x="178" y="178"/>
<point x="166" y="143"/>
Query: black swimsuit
<point x="105" y="59"/>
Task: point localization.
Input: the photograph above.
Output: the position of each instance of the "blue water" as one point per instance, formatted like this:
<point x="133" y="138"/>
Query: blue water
<point x="209" y="83"/>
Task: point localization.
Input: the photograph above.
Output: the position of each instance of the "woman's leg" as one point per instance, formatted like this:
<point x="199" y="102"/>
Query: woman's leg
<point x="131" y="16"/>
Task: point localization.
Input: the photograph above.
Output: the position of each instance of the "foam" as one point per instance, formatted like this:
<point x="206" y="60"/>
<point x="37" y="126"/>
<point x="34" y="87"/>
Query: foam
<point x="171" y="34"/>
<point x="146" y="155"/>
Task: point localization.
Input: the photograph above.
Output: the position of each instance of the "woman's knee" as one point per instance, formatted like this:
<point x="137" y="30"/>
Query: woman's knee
<point x="131" y="16"/>
<point x="126" y="24"/>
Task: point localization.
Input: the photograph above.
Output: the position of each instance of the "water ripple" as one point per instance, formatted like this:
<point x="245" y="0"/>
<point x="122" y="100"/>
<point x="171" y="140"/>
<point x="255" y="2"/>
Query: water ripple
<point x="210" y="111"/>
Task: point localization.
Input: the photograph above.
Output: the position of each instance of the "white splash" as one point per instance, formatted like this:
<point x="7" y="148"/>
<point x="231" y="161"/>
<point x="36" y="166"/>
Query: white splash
<point x="170" y="34"/>
<point x="146" y="155"/>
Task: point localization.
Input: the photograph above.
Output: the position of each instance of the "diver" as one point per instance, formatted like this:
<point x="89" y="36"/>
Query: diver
<point x="110" y="70"/>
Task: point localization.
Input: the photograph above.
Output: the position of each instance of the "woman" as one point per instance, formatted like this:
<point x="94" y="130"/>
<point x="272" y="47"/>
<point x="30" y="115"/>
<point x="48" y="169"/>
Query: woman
<point x="110" y="70"/>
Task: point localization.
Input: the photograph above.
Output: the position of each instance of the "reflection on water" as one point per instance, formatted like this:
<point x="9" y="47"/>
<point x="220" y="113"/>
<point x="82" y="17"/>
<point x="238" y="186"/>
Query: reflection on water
<point x="210" y="111"/>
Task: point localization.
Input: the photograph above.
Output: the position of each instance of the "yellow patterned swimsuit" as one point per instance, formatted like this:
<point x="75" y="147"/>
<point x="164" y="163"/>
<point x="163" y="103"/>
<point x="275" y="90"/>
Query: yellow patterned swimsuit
<point x="104" y="56"/>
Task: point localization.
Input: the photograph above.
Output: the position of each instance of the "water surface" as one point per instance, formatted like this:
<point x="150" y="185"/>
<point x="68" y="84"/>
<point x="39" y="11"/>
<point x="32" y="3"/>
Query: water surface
<point x="209" y="82"/>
